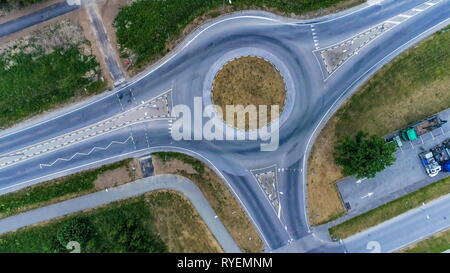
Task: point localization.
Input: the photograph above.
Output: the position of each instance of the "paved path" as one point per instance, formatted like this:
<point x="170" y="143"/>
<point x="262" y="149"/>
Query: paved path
<point x="138" y="187"/>
<point x="32" y="19"/>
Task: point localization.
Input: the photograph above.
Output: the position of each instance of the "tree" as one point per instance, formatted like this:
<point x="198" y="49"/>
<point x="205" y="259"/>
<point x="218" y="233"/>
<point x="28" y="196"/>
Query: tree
<point x="79" y="229"/>
<point x="364" y="156"/>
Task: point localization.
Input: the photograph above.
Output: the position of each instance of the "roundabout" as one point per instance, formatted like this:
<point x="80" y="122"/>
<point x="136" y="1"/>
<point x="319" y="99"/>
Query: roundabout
<point x="191" y="70"/>
<point x="249" y="76"/>
<point x="248" y="81"/>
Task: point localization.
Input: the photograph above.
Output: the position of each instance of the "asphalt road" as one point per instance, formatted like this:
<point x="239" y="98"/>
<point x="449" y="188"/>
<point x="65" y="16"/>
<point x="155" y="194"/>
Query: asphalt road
<point x="401" y="231"/>
<point x="36" y="18"/>
<point x="297" y="45"/>
<point x="138" y="187"/>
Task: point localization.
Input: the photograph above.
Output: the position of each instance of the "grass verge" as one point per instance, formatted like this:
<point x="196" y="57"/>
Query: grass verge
<point x="412" y="87"/>
<point x="60" y="189"/>
<point x="46" y="68"/>
<point x="391" y="209"/>
<point x="216" y="192"/>
<point x="155" y="222"/>
<point x="435" y="244"/>
<point x="146" y="28"/>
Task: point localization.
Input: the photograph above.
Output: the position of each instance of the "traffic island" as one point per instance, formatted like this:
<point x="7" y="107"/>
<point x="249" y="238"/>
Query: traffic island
<point x="248" y="81"/>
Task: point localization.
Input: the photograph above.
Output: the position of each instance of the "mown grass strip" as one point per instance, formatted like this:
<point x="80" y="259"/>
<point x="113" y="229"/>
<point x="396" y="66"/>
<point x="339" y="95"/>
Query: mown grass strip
<point x="391" y="209"/>
<point x="435" y="244"/>
<point x="411" y="88"/>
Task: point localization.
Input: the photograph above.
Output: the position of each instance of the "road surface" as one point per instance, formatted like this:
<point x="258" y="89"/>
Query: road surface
<point x="401" y="231"/>
<point x="36" y="18"/>
<point x="326" y="60"/>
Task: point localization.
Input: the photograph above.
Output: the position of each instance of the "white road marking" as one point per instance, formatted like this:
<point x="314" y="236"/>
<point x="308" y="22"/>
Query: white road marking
<point x="360" y="180"/>
<point x="367" y="195"/>
<point x="131" y="116"/>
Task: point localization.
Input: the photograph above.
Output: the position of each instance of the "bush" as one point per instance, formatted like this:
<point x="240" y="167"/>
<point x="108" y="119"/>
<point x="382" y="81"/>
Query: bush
<point x="145" y="27"/>
<point x="79" y="229"/>
<point x="364" y="156"/>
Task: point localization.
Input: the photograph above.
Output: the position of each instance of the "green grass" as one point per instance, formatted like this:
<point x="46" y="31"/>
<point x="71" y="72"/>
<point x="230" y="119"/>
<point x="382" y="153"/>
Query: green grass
<point x="412" y="87"/>
<point x="125" y="226"/>
<point x="435" y="244"/>
<point x="156" y="222"/>
<point x="53" y="191"/>
<point x="145" y="27"/>
<point x="21" y="2"/>
<point x="39" y="82"/>
<point x="391" y="209"/>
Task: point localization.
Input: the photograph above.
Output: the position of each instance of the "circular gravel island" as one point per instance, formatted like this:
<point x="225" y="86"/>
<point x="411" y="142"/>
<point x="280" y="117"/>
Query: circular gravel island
<point x="249" y="80"/>
<point x="277" y="63"/>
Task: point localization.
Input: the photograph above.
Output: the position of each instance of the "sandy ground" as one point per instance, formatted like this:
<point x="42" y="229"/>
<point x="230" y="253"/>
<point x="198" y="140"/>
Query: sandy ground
<point x="108" y="12"/>
<point x="119" y="176"/>
<point x="170" y="166"/>
<point x="85" y="23"/>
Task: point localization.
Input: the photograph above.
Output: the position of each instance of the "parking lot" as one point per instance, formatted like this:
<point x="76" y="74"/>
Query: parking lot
<point x="406" y="175"/>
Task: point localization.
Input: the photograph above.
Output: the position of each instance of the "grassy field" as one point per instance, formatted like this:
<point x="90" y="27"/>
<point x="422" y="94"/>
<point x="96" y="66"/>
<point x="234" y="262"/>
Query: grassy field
<point x="156" y="222"/>
<point x="47" y="68"/>
<point x="391" y="209"/>
<point x="435" y="244"/>
<point x="412" y="87"/>
<point x="146" y="28"/>
<point x="248" y="81"/>
<point x="216" y="192"/>
<point x="58" y="190"/>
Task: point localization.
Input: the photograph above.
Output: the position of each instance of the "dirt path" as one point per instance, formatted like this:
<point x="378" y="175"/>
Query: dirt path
<point x="109" y="56"/>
